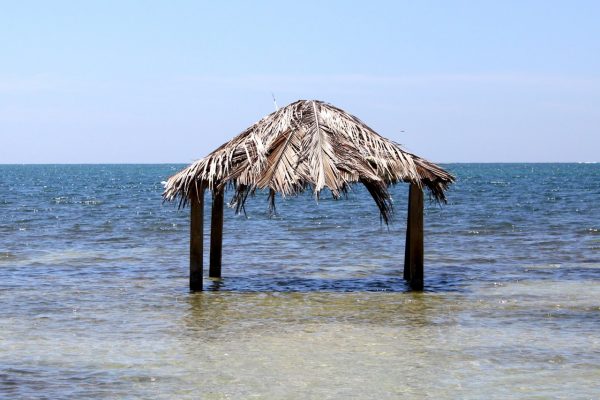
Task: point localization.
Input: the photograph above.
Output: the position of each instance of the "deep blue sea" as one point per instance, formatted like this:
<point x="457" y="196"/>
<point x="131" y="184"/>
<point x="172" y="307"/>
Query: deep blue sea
<point x="94" y="299"/>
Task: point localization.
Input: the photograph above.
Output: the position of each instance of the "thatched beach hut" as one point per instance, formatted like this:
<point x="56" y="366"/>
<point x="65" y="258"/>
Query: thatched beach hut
<point x="312" y="145"/>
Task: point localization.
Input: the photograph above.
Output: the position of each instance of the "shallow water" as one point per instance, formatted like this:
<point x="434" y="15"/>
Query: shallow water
<point x="94" y="300"/>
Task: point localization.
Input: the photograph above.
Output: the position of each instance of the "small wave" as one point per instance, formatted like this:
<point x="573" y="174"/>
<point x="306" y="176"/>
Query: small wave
<point x="114" y="239"/>
<point x="89" y="202"/>
<point x="68" y="200"/>
<point x="66" y="257"/>
<point x="543" y="266"/>
<point x="7" y="256"/>
<point x="62" y="200"/>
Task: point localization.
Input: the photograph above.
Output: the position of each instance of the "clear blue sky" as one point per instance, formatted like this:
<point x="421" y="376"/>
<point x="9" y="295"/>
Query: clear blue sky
<point x="168" y="81"/>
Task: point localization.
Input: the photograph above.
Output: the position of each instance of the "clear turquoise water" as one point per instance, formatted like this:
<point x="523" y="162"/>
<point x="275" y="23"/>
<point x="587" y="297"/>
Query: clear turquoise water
<point x="94" y="300"/>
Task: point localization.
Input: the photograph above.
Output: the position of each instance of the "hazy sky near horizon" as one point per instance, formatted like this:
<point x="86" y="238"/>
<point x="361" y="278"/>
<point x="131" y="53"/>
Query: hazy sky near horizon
<point x="168" y="81"/>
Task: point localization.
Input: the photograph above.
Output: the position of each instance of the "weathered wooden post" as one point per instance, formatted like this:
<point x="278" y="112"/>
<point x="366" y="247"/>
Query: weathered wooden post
<point x="216" y="234"/>
<point x="196" y="238"/>
<point x="413" y="252"/>
<point x="407" y="243"/>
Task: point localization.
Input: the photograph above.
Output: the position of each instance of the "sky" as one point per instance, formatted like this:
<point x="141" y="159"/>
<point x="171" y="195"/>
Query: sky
<point x="168" y="81"/>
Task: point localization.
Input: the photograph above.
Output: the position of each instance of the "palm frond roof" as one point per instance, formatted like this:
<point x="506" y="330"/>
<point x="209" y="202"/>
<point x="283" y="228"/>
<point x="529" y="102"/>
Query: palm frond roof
<point x="308" y="144"/>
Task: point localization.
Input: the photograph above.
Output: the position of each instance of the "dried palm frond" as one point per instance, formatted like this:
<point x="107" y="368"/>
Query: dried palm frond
<point x="313" y="144"/>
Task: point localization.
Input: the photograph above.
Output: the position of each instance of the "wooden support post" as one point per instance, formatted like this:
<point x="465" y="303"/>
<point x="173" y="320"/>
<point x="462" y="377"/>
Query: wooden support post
<point x="196" y="239"/>
<point x="216" y="234"/>
<point x="413" y="254"/>
<point x="407" y="243"/>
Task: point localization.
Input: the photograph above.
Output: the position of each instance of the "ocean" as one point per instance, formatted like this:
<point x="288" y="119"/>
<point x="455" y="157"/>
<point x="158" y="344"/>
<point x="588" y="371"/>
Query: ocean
<point x="94" y="299"/>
